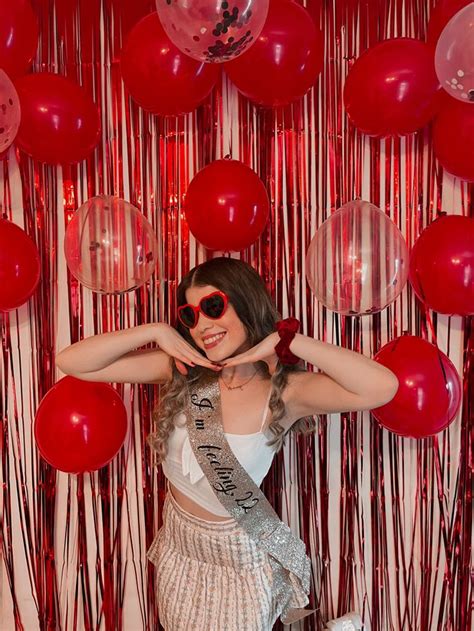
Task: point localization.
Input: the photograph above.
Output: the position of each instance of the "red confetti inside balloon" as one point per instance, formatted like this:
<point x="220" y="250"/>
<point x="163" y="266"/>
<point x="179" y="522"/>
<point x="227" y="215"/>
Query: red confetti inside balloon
<point x="80" y="426"/>
<point x="212" y="31"/>
<point x="429" y="393"/>
<point x="19" y="266"/>
<point x="227" y="206"/>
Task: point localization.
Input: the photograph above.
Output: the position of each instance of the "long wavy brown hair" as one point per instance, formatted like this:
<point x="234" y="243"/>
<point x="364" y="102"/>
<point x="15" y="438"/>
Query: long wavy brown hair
<point x="249" y="297"/>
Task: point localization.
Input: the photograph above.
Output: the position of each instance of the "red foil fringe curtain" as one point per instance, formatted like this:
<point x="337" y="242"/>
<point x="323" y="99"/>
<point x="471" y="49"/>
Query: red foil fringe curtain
<point x="387" y="520"/>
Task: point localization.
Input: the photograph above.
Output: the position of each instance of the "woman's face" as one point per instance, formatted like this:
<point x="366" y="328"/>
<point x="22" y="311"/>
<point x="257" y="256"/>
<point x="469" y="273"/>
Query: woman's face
<point x="219" y="338"/>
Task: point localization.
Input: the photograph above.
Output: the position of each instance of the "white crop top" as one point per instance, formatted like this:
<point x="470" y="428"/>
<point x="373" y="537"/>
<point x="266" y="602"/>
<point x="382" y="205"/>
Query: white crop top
<point x="183" y="471"/>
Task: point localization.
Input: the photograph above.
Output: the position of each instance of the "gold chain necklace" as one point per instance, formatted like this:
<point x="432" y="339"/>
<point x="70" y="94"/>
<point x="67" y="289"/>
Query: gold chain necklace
<point x="240" y="386"/>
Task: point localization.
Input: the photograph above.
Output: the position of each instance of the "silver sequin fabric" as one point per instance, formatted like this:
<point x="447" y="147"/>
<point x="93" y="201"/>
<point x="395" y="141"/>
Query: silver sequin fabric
<point x="210" y="576"/>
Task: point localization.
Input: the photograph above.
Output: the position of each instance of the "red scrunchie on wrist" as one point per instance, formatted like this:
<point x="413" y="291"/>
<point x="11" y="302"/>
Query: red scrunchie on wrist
<point x="287" y="330"/>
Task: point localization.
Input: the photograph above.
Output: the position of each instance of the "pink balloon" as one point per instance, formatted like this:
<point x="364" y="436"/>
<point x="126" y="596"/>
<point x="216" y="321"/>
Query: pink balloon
<point x="357" y="262"/>
<point x="110" y="246"/>
<point x="212" y="31"/>
<point x="9" y="111"/>
<point x="454" y="57"/>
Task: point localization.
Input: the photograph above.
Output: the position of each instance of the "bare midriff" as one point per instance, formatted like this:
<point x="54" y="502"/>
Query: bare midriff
<point x="189" y="506"/>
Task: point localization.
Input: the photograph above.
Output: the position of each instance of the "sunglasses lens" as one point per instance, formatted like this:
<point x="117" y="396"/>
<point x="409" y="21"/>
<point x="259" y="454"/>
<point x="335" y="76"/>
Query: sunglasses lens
<point x="187" y="317"/>
<point x="213" y="306"/>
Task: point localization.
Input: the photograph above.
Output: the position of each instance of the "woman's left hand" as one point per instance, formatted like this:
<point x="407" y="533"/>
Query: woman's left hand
<point x="264" y="351"/>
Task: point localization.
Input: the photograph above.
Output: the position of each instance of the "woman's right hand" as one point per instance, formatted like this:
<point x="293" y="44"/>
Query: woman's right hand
<point x="174" y="345"/>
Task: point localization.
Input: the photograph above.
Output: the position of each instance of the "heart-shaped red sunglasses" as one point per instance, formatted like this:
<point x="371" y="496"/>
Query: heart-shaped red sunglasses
<point x="212" y="306"/>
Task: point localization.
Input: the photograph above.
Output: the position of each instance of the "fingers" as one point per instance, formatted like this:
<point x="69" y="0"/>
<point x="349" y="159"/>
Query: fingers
<point x="208" y="364"/>
<point x="187" y="354"/>
<point x="201" y="360"/>
<point x="192" y="358"/>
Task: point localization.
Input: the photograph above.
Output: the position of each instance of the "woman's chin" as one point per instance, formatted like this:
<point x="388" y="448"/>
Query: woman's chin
<point x="221" y="353"/>
<point x="217" y="357"/>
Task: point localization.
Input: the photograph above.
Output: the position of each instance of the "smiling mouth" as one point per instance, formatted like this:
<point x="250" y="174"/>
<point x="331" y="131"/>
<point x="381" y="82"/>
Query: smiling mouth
<point x="210" y="342"/>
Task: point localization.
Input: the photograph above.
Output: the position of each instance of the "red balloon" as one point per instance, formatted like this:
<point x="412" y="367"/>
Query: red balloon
<point x="392" y="88"/>
<point x="429" y="393"/>
<point x="226" y="206"/>
<point x="19" y="266"/>
<point x="80" y="426"/>
<point x="440" y="16"/>
<point x="159" y="77"/>
<point x="442" y="265"/>
<point x="18" y="36"/>
<point x="285" y="61"/>
<point x="453" y="138"/>
<point x="59" y="120"/>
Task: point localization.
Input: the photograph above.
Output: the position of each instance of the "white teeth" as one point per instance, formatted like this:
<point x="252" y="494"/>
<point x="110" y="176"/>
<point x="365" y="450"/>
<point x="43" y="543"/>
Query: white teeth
<point x="214" y="338"/>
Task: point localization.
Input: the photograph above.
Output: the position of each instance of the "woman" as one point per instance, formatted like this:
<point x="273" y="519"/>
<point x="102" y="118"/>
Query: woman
<point x="234" y="386"/>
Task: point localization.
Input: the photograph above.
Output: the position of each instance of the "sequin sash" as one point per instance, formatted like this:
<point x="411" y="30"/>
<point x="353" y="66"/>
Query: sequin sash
<point x="246" y="503"/>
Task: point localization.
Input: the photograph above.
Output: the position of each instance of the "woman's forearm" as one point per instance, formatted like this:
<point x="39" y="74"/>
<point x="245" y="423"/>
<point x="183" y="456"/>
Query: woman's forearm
<point x="98" y="351"/>
<point x="352" y="370"/>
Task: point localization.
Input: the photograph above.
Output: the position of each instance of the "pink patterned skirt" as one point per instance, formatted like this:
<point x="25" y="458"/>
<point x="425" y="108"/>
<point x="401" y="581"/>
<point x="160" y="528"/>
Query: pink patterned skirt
<point x="211" y="576"/>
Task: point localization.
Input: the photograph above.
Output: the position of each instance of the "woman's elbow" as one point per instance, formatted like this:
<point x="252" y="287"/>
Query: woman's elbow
<point x="62" y="364"/>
